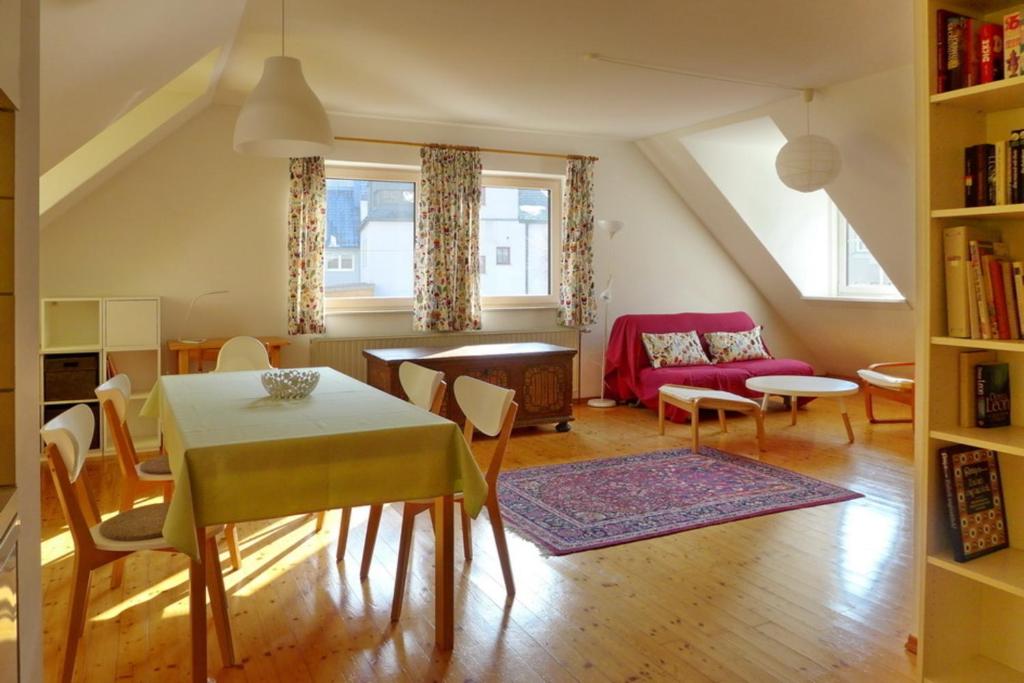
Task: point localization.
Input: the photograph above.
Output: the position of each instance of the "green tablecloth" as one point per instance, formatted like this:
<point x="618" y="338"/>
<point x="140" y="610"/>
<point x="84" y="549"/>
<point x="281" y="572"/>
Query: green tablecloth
<point x="238" y="455"/>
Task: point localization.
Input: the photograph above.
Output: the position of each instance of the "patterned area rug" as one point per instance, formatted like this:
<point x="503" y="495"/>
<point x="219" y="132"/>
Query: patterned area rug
<point x="580" y="506"/>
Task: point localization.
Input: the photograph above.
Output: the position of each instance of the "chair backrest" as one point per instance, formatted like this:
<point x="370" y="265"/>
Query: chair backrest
<point x="423" y="386"/>
<point x="242" y="353"/>
<point x="113" y="395"/>
<point x="117" y="390"/>
<point x="492" y="410"/>
<point x="67" y="438"/>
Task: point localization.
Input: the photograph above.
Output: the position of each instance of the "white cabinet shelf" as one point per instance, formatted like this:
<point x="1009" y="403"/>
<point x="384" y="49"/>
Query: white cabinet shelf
<point x="1011" y="345"/>
<point x="124" y="335"/>
<point x="979" y="670"/>
<point x="1003" y="569"/>
<point x="1008" y="440"/>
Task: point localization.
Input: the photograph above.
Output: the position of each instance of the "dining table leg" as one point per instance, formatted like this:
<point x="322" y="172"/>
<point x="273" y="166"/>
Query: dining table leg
<point x="197" y="609"/>
<point x="444" y="572"/>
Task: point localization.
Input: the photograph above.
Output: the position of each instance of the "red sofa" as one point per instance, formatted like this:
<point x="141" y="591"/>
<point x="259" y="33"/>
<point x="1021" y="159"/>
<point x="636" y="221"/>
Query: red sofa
<point x="629" y="375"/>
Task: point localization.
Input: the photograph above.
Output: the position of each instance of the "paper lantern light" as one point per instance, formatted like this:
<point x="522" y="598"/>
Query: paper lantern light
<point x="808" y="163"/>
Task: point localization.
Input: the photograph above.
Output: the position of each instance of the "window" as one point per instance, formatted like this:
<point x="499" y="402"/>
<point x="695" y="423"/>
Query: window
<point x="368" y="245"/>
<point x="340" y="263"/>
<point x="371" y="214"/>
<point x="857" y="271"/>
<point x="515" y="218"/>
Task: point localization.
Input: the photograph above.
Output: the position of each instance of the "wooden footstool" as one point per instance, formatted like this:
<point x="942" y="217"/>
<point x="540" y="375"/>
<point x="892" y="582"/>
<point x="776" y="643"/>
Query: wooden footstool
<point x="692" y="399"/>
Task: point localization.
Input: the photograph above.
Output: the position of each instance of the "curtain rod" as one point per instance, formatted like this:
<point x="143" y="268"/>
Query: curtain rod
<point x="492" y="150"/>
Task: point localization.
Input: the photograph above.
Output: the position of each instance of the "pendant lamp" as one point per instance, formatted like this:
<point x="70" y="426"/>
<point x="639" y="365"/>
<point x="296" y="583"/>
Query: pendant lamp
<point x="282" y="116"/>
<point x="809" y="162"/>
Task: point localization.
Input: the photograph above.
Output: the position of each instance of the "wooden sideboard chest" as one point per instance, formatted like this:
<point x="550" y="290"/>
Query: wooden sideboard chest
<point x="541" y="375"/>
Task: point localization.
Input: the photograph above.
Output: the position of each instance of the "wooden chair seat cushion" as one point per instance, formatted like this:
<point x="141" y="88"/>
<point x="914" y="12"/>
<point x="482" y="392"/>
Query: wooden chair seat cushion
<point x="139" y="524"/>
<point x="159" y="465"/>
<point x="689" y="395"/>
<point x="880" y="379"/>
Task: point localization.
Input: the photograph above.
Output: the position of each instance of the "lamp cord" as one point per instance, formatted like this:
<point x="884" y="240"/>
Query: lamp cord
<point x="282" y="28"/>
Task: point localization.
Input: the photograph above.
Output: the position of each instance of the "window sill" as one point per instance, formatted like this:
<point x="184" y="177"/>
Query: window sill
<point x="403" y="308"/>
<point x="880" y="301"/>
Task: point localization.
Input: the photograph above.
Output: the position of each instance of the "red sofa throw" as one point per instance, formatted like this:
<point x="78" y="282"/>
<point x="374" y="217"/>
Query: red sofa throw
<point x="629" y="375"/>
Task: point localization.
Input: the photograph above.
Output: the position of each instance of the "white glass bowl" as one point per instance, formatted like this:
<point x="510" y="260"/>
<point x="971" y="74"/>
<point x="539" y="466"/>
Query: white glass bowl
<point x="290" y="384"/>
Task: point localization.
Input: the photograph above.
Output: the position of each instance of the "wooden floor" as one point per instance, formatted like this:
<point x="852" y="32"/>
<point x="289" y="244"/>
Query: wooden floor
<point x="822" y="594"/>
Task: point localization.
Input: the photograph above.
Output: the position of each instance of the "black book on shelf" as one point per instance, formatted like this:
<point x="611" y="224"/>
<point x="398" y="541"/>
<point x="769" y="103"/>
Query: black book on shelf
<point x="975" y="507"/>
<point x="992" y="394"/>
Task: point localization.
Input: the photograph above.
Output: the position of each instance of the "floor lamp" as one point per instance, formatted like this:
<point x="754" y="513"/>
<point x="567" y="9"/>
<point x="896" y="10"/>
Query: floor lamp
<point x="612" y="228"/>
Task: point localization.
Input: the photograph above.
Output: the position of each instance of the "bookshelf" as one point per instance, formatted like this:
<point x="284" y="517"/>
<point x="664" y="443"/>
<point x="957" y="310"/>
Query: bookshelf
<point x="7" y="302"/>
<point x="970" y="615"/>
<point x="86" y="337"/>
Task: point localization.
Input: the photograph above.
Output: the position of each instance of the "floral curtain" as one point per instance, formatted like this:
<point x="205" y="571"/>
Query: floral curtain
<point x="446" y="278"/>
<point x="577" y="305"/>
<point x="306" y="226"/>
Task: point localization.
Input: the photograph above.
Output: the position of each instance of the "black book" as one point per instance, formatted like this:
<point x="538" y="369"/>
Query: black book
<point x="991" y="179"/>
<point x="975" y="507"/>
<point x="1014" y="167"/>
<point x="992" y="394"/>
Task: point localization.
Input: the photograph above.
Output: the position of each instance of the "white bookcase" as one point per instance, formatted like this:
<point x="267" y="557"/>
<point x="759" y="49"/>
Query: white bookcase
<point x="970" y="615"/>
<point x="95" y="337"/>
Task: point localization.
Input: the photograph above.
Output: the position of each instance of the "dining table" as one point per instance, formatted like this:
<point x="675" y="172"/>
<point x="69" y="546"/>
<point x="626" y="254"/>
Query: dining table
<point x="238" y="455"/>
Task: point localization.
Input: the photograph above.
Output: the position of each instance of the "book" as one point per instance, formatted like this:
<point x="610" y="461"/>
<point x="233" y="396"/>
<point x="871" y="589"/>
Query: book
<point x="979" y="175"/>
<point x="968" y="361"/>
<point x="1013" y="37"/>
<point x="978" y="249"/>
<point x="991" y="53"/>
<point x="956" y="50"/>
<point x="970" y="42"/>
<point x="992" y="394"/>
<point x="941" y="63"/>
<point x="962" y="318"/>
<point x="1011" y="298"/>
<point x="995" y="276"/>
<point x="1014" y="170"/>
<point x="1018" y="289"/>
<point x="1002" y="175"/>
<point x="991" y="180"/>
<point x="975" y="508"/>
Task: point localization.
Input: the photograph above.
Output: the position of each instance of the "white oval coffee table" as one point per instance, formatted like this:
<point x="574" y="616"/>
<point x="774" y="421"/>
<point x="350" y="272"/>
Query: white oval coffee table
<point x="798" y="386"/>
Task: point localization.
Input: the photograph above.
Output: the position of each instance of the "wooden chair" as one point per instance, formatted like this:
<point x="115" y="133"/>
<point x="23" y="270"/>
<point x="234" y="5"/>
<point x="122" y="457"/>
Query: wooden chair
<point x="237" y="355"/>
<point x="424" y="388"/>
<point x="891" y="387"/>
<point x="492" y="410"/>
<point x="242" y="353"/>
<point x="67" y="437"/>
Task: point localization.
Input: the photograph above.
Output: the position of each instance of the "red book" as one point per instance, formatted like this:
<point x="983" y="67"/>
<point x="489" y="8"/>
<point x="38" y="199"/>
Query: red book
<point x="972" y="52"/>
<point x="941" y="62"/>
<point x="999" y="299"/>
<point x="991" y="53"/>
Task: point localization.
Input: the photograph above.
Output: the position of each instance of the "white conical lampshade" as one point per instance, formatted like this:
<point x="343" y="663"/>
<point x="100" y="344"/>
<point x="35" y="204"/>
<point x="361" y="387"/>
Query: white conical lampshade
<point x="808" y="163"/>
<point x="282" y="117"/>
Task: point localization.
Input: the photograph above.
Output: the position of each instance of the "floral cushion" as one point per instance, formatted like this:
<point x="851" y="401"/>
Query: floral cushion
<point x="726" y="347"/>
<point x="674" y="349"/>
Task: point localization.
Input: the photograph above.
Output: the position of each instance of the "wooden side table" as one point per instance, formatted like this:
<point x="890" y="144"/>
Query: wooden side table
<point x="189" y="351"/>
<point x="540" y="374"/>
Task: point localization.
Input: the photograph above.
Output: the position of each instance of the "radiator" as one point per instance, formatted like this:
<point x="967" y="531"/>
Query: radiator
<point x="345" y="354"/>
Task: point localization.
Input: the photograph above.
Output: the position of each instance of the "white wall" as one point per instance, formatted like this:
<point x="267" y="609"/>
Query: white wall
<point x="740" y="160"/>
<point x="190" y="215"/>
<point x="871" y="120"/>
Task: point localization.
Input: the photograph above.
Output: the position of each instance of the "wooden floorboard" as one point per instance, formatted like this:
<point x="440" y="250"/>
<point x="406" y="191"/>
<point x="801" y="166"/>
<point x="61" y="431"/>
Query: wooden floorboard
<point x="821" y="594"/>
